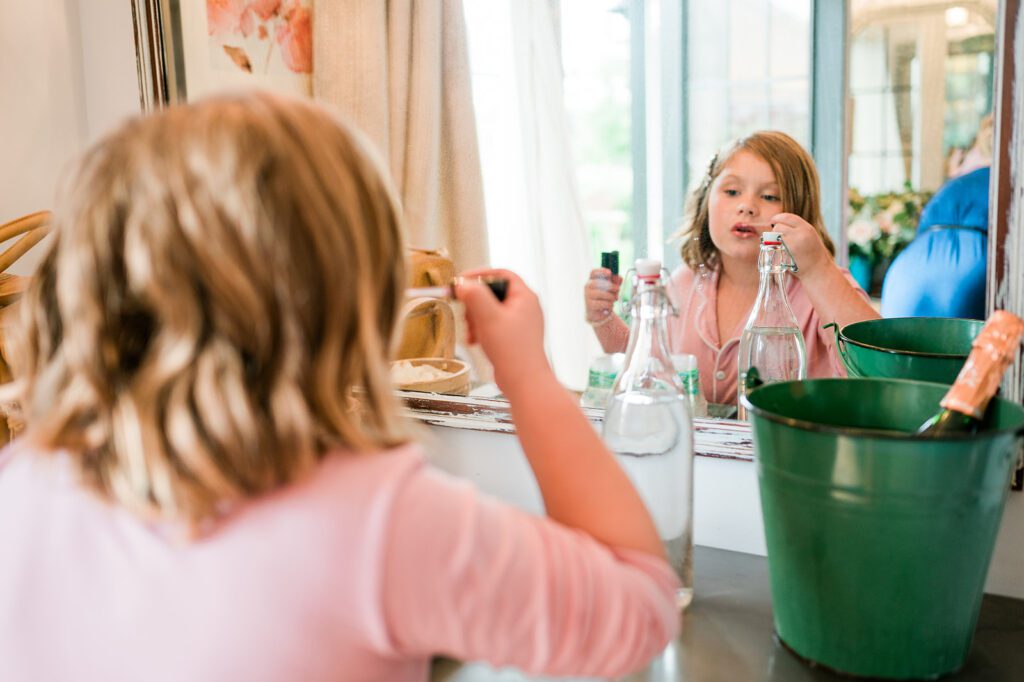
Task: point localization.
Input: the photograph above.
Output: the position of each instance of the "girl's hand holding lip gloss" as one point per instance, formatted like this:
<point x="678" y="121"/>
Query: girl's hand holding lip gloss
<point x="497" y="285"/>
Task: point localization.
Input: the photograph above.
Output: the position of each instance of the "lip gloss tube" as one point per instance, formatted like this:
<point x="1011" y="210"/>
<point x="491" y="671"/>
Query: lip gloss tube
<point x="497" y="285"/>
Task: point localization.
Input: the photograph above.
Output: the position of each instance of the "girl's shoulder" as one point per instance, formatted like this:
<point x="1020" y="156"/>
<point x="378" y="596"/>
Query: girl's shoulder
<point x="685" y="278"/>
<point x="359" y="469"/>
<point x="683" y="275"/>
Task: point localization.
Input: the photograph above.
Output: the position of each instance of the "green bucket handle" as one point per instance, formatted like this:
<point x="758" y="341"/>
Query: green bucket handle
<point x="841" y="346"/>
<point x="840" y="342"/>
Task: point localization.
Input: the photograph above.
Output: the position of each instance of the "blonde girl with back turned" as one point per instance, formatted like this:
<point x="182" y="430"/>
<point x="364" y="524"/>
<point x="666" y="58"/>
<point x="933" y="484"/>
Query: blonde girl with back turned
<point x="760" y="183"/>
<point x="215" y="482"/>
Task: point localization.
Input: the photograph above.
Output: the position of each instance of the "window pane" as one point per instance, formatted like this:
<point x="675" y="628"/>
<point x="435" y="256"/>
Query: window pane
<point x="790" y="102"/>
<point x="919" y="86"/>
<point x="708" y="59"/>
<point x="749" y="107"/>
<point x="595" y="38"/>
<point x="868" y="59"/>
<point x="749" y="67"/>
<point x="708" y="123"/>
<point x="789" y="39"/>
<point x="747" y="39"/>
<point x="873" y="122"/>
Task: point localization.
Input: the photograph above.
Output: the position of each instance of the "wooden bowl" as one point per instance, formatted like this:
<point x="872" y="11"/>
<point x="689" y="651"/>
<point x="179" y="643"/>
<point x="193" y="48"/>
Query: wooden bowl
<point x="457" y="383"/>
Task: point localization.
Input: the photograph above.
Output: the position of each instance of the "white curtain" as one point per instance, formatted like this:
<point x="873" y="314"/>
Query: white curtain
<point x="535" y="221"/>
<point x="399" y="69"/>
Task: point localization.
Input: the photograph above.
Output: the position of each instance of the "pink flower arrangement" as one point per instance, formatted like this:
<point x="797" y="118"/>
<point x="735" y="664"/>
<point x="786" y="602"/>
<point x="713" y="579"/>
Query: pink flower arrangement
<point x="881" y="225"/>
<point x="291" y="23"/>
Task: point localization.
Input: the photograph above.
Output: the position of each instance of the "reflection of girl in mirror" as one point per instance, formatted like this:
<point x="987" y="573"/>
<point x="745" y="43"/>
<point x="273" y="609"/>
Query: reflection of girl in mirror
<point x="215" y="469"/>
<point x="763" y="182"/>
<point x="943" y="271"/>
<point x="978" y="153"/>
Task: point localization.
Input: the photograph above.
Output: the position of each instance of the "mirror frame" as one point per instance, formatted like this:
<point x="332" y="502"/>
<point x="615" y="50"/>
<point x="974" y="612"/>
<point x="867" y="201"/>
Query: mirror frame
<point x="719" y="438"/>
<point x="158" y="60"/>
<point x="1005" y="287"/>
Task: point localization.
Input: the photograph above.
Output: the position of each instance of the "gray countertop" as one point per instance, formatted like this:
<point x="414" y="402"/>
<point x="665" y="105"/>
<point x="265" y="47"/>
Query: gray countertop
<point x="727" y="636"/>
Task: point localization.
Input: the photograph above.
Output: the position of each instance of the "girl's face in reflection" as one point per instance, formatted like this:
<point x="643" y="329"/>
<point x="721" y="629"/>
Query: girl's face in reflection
<point x="744" y="197"/>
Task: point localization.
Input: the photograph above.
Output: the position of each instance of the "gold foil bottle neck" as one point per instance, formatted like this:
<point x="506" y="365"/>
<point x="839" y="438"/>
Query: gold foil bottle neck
<point x="992" y="352"/>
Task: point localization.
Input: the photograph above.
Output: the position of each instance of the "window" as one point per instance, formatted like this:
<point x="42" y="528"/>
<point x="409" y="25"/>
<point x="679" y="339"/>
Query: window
<point x="920" y="84"/>
<point x="596" y="59"/>
<point x="620" y="79"/>
<point x="749" y="69"/>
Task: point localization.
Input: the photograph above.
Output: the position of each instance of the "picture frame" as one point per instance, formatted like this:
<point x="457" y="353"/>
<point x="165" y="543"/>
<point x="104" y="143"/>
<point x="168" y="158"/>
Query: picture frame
<point x="185" y="50"/>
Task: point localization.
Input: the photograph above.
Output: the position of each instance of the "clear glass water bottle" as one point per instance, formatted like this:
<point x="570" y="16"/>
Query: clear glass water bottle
<point x="648" y="426"/>
<point x="771" y="340"/>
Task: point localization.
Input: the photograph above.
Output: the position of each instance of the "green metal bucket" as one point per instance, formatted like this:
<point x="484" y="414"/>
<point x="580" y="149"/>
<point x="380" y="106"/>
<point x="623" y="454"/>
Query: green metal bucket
<point x="922" y="348"/>
<point x="878" y="542"/>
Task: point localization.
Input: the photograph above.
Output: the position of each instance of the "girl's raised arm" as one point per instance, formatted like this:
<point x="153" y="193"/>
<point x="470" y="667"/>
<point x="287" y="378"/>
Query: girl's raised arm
<point x="599" y="295"/>
<point x="832" y="293"/>
<point x="582" y="485"/>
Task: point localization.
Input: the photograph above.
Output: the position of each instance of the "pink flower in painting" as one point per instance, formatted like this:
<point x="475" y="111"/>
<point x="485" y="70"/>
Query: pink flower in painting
<point x="258" y="10"/>
<point x="295" y="36"/>
<point x="264" y="9"/>
<point x="247" y="24"/>
<point x="224" y="16"/>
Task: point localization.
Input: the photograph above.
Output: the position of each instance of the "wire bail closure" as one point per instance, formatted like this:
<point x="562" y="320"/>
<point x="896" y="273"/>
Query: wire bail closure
<point x="792" y="261"/>
<point x="664" y="276"/>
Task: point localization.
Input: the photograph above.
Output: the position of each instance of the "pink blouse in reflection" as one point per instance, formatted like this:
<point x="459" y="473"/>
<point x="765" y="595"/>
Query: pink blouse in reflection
<point x="363" y="571"/>
<point x="695" y="331"/>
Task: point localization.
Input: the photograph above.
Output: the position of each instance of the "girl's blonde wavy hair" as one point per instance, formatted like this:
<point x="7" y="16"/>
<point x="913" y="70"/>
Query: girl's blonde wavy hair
<point x="795" y="173"/>
<point x="217" y="307"/>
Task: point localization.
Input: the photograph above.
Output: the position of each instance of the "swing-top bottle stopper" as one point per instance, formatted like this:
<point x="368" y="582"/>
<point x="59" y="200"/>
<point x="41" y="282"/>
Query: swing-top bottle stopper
<point x="648" y="269"/>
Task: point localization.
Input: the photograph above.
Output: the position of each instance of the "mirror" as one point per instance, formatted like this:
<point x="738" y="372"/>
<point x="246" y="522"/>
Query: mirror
<point x="632" y="162"/>
<point x="920" y="103"/>
<point x="585" y="153"/>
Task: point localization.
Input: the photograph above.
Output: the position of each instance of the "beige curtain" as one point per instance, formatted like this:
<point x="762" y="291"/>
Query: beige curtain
<point x="399" y="69"/>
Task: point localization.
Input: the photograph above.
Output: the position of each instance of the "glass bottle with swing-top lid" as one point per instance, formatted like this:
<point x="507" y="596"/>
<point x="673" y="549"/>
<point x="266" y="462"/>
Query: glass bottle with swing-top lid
<point x="648" y="424"/>
<point x="771" y="340"/>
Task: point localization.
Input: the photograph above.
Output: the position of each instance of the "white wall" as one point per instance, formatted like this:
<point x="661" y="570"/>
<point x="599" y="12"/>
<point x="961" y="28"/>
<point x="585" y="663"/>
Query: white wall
<point x="727" y="511"/>
<point x="67" y="74"/>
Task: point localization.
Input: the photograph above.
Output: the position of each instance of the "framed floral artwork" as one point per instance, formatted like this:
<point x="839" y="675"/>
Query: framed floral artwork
<point x="190" y="48"/>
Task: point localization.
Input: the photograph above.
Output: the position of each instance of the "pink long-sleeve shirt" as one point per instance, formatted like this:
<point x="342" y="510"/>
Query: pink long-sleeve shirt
<point x="695" y="331"/>
<point x="362" y="571"/>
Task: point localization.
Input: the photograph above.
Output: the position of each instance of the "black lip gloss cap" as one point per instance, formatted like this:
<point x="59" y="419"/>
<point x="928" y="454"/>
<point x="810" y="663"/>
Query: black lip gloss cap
<point x="610" y="260"/>
<point x="498" y="286"/>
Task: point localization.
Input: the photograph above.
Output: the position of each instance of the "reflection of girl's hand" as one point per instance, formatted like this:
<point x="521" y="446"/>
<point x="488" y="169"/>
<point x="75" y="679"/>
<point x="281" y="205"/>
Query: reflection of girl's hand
<point x="511" y="333"/>
<point x="803" y="242"/>
<point x="600" y="294"/>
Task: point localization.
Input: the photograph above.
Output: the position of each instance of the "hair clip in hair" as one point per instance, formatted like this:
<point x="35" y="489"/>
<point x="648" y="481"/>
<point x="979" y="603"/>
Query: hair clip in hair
<point x="708" y="174"/>
<point x="712" y="162"/>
